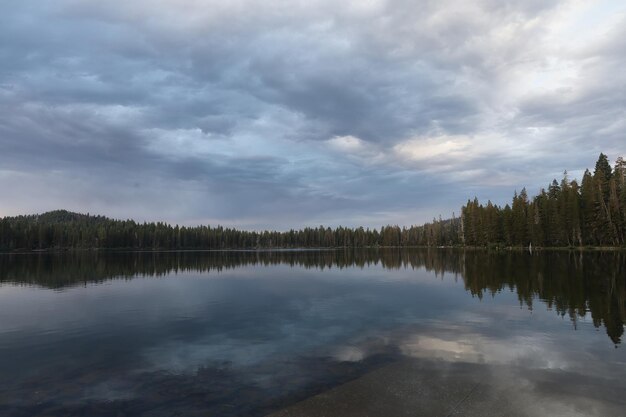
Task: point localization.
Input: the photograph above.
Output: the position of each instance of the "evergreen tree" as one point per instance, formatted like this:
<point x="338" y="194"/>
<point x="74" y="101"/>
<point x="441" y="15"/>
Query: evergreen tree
<point x="588" y="207"/>
<point x="567" y="214"/>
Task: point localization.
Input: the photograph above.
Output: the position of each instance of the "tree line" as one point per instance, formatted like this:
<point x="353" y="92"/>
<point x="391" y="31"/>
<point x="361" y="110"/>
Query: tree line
<point x="566" y="214"/>
<point x="66" y="230"/>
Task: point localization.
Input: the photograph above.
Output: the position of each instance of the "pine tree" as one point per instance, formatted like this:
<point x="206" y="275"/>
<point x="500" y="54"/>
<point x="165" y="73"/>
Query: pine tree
<point x="588" y="207"/>
<point x="603" y="223"/>
<point x="572" y="208"/>
<point x="519" y="219"/>
<point x="554" y="221"/>
<point x="619" y="176"/>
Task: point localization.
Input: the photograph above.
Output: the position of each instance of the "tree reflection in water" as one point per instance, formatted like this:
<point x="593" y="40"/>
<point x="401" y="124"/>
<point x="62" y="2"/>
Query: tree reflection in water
<point x="573" y="283"/>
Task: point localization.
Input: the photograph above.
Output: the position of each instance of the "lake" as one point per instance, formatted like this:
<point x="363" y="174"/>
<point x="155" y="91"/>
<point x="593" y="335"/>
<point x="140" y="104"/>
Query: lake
<point x="251" y="333"/>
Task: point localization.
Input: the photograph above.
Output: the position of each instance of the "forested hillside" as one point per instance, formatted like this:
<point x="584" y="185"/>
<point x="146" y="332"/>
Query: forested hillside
<point x="566" y="214"/>
<point x="62" y="229"/>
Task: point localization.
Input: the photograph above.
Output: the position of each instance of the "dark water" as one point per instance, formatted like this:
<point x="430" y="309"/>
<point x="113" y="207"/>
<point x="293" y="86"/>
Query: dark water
<point x="246" y="333"/>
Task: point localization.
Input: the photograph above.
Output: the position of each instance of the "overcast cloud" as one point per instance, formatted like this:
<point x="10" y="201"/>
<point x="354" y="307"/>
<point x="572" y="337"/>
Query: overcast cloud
<point x="284" y="114"/>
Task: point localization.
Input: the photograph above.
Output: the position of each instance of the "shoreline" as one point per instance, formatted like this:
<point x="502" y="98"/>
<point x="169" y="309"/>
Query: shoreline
<point x="316" y="249"/>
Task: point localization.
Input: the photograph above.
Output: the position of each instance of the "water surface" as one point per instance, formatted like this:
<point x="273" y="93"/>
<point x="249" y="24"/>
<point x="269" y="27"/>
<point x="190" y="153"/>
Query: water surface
<point x="247" y="333"/>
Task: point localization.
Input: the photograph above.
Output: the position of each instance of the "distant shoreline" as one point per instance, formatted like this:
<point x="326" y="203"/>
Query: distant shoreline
<point x="313" y="249"/>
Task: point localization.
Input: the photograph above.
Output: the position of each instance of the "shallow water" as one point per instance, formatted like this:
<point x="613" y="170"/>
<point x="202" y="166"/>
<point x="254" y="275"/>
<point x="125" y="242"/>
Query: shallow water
<point x="247" y="333"/>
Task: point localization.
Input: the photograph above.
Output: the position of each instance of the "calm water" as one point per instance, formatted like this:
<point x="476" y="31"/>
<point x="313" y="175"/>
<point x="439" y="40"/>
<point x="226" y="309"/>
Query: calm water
<point x="246" y="333"/>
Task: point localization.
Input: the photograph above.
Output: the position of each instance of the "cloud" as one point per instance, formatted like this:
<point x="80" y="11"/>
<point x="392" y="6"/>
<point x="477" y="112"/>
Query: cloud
<point x="281" y="114"/>
<point x="421" y="149"/>
<point x="346" y="143"/>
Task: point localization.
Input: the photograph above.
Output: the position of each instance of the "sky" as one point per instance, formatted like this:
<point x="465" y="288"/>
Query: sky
<point x="284" y="113"/>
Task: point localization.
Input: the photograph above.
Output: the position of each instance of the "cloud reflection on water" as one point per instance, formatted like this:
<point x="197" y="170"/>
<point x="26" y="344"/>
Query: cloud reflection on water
<point x="290" y="325"/>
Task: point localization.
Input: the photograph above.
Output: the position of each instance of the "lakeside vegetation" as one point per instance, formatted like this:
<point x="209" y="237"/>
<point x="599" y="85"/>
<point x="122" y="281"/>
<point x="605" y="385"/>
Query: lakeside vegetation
<point x="65" y="230"/>
<point x="565" y="215"/>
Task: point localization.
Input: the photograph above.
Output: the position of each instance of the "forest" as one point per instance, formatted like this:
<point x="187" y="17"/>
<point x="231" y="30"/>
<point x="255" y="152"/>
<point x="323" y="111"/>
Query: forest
<point x="66" y="230"/>
<point x="565" y="215"/>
